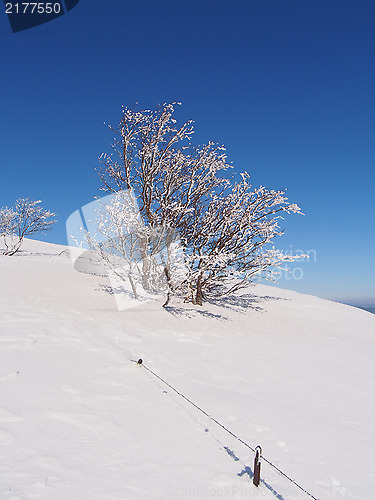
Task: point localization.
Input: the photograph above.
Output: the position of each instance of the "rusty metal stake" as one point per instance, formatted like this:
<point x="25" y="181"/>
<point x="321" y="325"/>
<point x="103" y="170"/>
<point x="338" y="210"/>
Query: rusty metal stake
<point x="258" y="456"/>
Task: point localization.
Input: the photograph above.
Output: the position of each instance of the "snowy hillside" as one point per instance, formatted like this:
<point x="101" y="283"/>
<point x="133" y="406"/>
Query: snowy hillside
<point x="79" y="420"/>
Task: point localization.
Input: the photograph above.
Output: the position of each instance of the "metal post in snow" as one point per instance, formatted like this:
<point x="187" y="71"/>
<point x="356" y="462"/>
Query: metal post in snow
<point x="258" y="456"/>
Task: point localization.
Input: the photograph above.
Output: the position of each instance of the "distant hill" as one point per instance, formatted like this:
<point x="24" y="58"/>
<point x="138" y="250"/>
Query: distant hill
<point x="370" y="309"/>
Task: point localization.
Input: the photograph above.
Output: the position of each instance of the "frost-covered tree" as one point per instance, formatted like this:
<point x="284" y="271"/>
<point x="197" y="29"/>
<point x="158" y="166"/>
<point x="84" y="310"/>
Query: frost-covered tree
<point x="226" y="228"/>
<point x="146" y="256"/>
<point x="154" y="157"/>
<point x="227" y="240"/>
<point x="27" y="218"/>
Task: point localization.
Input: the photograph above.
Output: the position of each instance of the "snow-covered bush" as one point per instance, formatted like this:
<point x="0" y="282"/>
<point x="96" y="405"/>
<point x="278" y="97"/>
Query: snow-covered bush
<point x="27" y="218"/>
<point x="226" y="228"/>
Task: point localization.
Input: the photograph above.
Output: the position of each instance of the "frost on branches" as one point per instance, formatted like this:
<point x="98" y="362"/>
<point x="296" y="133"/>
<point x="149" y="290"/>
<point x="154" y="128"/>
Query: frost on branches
<point x="27" y="218"/>
<point x="146" y="257"/>
<point x="226" y="228"/>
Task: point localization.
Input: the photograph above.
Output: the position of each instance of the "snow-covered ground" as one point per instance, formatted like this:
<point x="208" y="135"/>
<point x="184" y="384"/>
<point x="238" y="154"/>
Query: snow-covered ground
<point x="79" y="420"/>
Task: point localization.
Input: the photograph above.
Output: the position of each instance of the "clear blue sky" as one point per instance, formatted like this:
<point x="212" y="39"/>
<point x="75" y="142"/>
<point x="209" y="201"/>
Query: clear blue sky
<point x="288" y="86"/>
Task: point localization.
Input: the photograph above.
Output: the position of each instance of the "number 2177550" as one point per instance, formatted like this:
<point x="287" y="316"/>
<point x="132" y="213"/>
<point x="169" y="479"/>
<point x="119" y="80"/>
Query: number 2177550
<point x="33" y="8"/>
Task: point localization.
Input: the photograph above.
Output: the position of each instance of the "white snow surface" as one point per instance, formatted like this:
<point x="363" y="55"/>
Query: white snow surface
<point x="80" y="421"/>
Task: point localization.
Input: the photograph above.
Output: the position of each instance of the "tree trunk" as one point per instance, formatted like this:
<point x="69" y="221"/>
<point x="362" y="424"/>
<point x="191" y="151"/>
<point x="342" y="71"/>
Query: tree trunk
<point x="132" y="284"/>
<point x="167" y="300"/>
<point x="146" y="264"/>
<point x="15" y="247"/>
<point x="199" y="293"/>
<point x="167" y="275"/>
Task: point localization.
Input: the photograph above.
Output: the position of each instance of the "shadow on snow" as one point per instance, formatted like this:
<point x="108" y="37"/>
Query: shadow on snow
<point x="241" y="303"/>
<point x="249" y="472"/>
